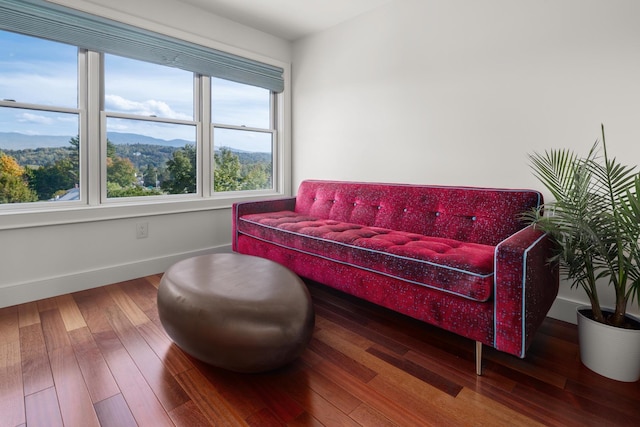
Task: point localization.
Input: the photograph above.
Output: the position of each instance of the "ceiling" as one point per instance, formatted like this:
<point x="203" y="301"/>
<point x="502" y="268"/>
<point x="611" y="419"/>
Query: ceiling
<point x="288" y="19"/>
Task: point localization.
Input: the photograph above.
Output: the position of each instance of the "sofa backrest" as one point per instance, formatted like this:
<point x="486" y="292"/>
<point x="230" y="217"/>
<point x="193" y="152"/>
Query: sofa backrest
<point x="469" y="214"/>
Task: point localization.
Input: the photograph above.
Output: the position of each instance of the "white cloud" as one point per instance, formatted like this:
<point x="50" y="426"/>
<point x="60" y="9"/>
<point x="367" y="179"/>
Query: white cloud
<point x="147" y="108"/>
<point x="35" y="118"/>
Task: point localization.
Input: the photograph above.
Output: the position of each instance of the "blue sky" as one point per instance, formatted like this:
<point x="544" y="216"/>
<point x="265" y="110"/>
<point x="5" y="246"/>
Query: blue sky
<point x="44" y="72"/>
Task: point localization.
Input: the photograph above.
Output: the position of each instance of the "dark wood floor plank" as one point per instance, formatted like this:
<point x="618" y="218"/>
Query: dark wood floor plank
<point x="371" y="334"/>
<point x="114" y="412"/>
<point x="263" y="418"/>
<point x="12" y="411"/>
<point x="340" y="359"/>
<point x="236" y="389"/>
<point x="36" y="370"/>
<point x="96" y="373"/>
<point x="154" y="279"/>
<point x="418" y="371"/>
<point x="28" y="314"/>
<point x="93" y="303"/>
<point x="306" y="380"/>
<point x="129" y="308"/>
<point x="9" y="325"/>
<point x="75" y="403"/>
<point x="209" y="400"/>
<point x="272" y="391"/>
<point x="55" y="333"/>
<point x="173" y="358"/>
<point x="42" y="409"/>
<point x="445" y="365"/>
<point x="71" y="316"/>
<point x="47" y="304"/>
<point x="391" y="408"/>
<point x="188" y="415"/>
<point x="367" y="416"/>
<point x="159" y="378"/>
<point x="143" y="403"/>
<point x="142" y="293"/>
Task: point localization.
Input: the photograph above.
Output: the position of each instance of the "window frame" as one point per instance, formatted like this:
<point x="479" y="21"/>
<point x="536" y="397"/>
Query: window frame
<point x="93" y="204"/>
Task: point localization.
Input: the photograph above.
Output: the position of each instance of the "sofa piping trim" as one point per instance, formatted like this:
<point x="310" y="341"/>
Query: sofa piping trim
<point x="362" y="268"/>
<point x="524" y="294"/>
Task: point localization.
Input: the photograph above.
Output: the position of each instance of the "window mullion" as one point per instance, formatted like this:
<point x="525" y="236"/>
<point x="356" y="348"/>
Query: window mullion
<point x="83" y="74"/>
<point x="93" y="91"/>
<point x="203" y="115"/>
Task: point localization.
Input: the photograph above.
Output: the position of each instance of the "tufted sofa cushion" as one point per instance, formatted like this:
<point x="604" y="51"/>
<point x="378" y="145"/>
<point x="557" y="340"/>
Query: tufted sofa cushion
<point x="468" y="214"/>
<point x="460" y="268"/>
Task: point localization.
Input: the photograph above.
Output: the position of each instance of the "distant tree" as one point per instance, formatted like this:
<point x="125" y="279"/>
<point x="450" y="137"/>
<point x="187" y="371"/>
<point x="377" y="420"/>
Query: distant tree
<point x="227" y="174"/>
<point x="74" y="152"/>
<point x="59" y="176"/>
<point x="111" y="149"/>
<point x="48" y="180"/>
<point x="257" y="177"/>
<point x="150" y="174"/>
<point x="121" y="174"/>
<point x="182" y="171"/>
<point x="114" y="190"/>
<point x="13" y="186"/>
<point x="120" y="171"/>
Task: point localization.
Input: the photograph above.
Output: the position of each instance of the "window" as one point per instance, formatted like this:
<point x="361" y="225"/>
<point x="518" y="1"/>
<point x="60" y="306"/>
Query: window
<point x="151" y="132"/>
<point x="131" y="117"/>
<point x="243" y="136"/>
<point x="39" y="120"/>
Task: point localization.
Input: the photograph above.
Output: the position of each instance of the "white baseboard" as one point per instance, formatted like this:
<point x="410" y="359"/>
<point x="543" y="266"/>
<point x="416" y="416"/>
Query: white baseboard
<point x="565" y="310"/>
<point x="53" y="286"/>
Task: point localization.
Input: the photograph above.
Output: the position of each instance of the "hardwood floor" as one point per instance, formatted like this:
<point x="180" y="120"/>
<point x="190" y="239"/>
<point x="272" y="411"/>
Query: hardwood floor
<point x="101" y="357"/>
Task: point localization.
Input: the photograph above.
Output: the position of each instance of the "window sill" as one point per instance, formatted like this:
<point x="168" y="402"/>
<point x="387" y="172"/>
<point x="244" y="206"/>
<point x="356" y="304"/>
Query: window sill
<point x="41" y="216"/>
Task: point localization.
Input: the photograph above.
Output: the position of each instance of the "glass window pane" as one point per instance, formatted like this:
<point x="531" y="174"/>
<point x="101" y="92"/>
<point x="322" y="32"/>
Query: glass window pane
<point x="243" y="160"/>
<point x="145" y="89"/>
<point x="238" y="104"/>
<point x="38" y="71"/>
<point x="39" y="156"/>
<point x="146" y="158"/>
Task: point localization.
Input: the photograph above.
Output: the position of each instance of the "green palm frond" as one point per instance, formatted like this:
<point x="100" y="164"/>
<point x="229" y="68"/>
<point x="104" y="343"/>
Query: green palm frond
<point x="594" y="220"/>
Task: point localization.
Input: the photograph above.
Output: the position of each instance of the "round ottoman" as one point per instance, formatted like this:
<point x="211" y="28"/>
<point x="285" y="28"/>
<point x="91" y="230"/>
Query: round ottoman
<point x="237" y="312"/>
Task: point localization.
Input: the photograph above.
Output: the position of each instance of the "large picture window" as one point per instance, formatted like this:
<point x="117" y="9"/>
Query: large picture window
<point x="109" y="113"/>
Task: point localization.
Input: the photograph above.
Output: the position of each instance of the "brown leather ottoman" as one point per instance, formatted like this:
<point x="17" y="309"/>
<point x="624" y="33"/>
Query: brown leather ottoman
<point x="237" y="312"/>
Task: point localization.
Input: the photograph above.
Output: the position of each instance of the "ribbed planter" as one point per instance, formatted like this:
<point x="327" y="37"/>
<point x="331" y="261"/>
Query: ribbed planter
<point x="609" y="351"/>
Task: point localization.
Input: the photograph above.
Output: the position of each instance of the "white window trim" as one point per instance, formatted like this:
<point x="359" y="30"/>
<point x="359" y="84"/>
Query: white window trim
<point x="90" y="208"/>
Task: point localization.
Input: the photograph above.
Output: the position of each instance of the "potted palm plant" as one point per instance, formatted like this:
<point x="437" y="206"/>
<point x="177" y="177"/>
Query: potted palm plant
<point x="595" y="222"/>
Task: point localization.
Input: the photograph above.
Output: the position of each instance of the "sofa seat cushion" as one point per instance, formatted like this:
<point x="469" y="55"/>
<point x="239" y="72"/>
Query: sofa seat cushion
<point x="463" y="269"/>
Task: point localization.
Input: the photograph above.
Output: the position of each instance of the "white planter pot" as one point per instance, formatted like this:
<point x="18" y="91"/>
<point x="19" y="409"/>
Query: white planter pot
<point x="609" y="351"/>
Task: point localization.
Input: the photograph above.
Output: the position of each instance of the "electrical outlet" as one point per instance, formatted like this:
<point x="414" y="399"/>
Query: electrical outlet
<point x="142" y="230"/>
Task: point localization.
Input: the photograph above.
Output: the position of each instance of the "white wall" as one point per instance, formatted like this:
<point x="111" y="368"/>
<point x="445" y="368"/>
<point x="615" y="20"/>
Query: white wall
<point x="459" y="91"/>
<point x="38" y="261"/>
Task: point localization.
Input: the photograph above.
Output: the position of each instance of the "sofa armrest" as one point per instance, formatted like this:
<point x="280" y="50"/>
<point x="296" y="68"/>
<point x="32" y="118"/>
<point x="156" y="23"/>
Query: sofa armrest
<point x="525" y="286"/>
<point x="261" y="206"/>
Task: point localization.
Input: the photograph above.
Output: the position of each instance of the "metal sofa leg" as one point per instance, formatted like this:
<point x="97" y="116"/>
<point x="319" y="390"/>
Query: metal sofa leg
<point x="478" y="358"/>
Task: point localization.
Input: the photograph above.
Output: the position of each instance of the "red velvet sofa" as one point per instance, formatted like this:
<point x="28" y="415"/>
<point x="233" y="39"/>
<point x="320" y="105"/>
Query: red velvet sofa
<point x="459" y="258"/>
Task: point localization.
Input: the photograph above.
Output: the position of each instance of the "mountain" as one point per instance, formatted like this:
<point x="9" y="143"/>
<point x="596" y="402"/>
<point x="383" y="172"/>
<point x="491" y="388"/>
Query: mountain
<point x="132" y="138"/>
<point x="20" y="141"/>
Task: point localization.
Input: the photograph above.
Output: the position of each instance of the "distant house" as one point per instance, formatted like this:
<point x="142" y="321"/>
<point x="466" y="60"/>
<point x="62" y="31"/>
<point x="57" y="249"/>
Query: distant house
<point x="73" y="194"/>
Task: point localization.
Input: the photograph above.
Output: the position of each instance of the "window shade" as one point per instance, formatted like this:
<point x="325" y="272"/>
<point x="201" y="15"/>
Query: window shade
<point x="54" y="22"/>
